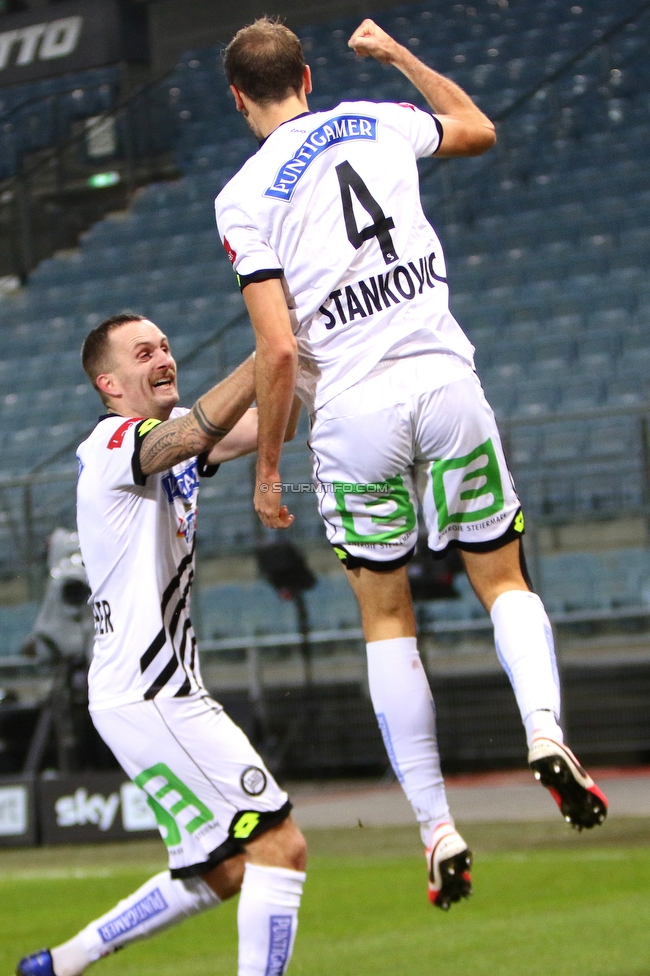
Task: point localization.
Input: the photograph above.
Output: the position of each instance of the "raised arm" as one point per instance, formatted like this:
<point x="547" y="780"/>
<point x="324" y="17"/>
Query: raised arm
<point x="466" y="130"/>
<point x="275" y="377"/>
<point x="294" y="417"/>
<point x="242" y="439"/>
<point x="211" y="418"/>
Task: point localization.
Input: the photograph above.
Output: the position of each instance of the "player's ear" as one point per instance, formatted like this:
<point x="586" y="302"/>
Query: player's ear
<point x="239" y="102"/>
<point x="306" y="79"/>
<point x="107" y="384"/>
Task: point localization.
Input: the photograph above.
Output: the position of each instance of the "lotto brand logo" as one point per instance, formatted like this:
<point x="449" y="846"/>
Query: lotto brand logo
<point x="150" y="905"/>
<point x="148" y="425"/>
<point x="344" y="128"/>
<point x="244" y="824"/>
<point x="43" y="41"/>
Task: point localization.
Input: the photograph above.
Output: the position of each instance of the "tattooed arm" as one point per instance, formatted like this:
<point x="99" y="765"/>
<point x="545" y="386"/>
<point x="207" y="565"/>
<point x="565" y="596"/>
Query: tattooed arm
<point x="210" y="419"/>
<point x="242" y="439"/>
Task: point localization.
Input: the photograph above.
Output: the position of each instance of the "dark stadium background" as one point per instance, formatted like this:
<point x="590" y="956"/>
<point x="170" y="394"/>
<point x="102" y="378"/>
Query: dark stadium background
<point x="111" y="154"/>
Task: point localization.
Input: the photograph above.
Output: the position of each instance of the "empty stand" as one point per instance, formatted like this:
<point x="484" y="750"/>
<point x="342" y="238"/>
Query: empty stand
<point x="547" y="241"/>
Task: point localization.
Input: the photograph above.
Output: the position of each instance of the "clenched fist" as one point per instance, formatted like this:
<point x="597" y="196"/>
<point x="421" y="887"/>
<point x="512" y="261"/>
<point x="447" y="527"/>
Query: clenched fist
<point x="369" y="40"/>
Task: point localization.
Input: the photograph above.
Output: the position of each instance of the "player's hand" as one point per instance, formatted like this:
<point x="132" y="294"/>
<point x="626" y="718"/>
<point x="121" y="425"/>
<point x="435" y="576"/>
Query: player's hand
<point x="267" y="501"/>
<point x="369" y="40"/>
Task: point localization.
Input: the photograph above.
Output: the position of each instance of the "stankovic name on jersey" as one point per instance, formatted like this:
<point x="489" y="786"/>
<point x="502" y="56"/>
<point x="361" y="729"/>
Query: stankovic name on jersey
<point x="401" y="284"/>
<point x="344" y="128"/>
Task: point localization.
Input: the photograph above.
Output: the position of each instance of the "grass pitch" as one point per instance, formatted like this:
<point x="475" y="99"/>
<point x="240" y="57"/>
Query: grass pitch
<point x="547" y="902"/>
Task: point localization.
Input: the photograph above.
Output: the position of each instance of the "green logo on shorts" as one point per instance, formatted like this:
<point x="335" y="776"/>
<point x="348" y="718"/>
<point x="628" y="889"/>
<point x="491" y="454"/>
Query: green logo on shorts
<point x="244" y="827"/>
<point x="173" y="803"/>
<point x="389" y="505"/>
<point x="483" y="494"/>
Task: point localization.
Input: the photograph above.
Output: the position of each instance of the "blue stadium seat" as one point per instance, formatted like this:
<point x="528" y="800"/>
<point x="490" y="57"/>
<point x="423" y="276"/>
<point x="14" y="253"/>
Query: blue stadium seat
<point x="547" y="244"/>
<point x="582" y="393"/>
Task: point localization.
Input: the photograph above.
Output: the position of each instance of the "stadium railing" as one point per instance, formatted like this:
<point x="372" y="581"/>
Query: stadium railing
<point x="530" y="131"/>
<point x="34" y="503"/>
<point x="318" y="720"/>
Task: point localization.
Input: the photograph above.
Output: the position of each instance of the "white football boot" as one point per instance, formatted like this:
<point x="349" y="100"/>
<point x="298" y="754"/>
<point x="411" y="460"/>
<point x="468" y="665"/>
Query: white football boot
<point x="582" y="804"/>
<point x="448" y="862"/>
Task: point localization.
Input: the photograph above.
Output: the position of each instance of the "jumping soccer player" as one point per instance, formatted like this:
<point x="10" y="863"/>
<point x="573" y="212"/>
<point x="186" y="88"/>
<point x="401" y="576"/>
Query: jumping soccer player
<point x="224" y="819"/>
<point x="345" y="284"/>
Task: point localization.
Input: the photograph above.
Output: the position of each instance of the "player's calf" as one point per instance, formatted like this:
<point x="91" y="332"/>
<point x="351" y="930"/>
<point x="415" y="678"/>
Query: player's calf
<point x="159" y="903"/>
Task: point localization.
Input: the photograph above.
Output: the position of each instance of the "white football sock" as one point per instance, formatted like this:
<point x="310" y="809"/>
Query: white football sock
<point x="267" y="919"/>
<point x="542" y="723"/>
<point x="405" y="711"/>
<point x="160" y="902"/>
<point x="525" y="647"/>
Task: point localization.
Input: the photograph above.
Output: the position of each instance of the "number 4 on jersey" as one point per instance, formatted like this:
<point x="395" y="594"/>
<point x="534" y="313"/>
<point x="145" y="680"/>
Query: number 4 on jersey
<point x="349" y="180"/>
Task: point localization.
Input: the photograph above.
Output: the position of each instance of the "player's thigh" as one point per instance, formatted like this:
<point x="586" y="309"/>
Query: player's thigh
<point x="362" y="473"/>
<point x="207" y="785"/>
<point x="467" y="492"/>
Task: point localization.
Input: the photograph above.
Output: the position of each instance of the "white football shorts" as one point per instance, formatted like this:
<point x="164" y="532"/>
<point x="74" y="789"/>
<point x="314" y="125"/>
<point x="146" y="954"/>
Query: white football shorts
<point x="209" y="789"/>
<point x="391" y="442"/>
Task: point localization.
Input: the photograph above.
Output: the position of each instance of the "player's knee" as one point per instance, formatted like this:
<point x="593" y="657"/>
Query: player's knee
<point x="292" y="844"/>
<point x="496" y="572"/>
<point x="226" y="878"/>
<point x="282" y="847"/>
<point x="297" y="849"/>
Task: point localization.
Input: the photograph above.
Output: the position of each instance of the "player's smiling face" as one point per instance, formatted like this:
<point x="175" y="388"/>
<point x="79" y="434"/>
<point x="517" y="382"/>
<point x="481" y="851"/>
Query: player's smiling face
<point x="142" y="382"/>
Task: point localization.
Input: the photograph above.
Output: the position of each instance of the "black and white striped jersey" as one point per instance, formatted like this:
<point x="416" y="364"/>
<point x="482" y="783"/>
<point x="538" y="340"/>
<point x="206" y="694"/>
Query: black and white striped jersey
<point x="137" y="537"/>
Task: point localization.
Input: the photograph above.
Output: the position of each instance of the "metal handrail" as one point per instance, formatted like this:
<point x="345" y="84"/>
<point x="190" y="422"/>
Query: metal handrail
<point x="38" y="99"/>
<point x="44" y="159"/>
<point x="435" y="627"/>
<point x="467" y="625"/>
<point x="39" y="477"/>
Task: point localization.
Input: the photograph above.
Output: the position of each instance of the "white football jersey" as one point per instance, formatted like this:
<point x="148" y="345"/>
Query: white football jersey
<point x="136" y="535"/>
<point x="331" y="204"/>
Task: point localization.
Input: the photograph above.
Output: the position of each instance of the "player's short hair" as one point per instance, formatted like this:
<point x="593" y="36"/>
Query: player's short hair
<point x="265" y="61"/>
<point x="96" y="350"/>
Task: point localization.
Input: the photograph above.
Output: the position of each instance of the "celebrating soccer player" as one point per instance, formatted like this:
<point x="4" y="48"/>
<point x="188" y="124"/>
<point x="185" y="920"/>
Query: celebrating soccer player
<point x="224" y="819"/>
<point x="344" y="280"/>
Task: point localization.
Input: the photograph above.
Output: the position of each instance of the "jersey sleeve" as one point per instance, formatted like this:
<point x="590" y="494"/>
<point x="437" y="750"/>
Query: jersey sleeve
<point x="205" y="469"/>
<point x="141" y="430"/>
<point x="251" y="257"/>
<point x="109" y="451"/>
<point x="423" y="130"/>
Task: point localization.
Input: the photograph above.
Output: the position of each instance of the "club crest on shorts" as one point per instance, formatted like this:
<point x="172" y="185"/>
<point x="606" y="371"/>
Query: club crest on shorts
<point x="253" y="781"/>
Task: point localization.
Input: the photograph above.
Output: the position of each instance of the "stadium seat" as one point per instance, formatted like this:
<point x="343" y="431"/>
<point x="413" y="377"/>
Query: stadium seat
<point x="546" y="239"/>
